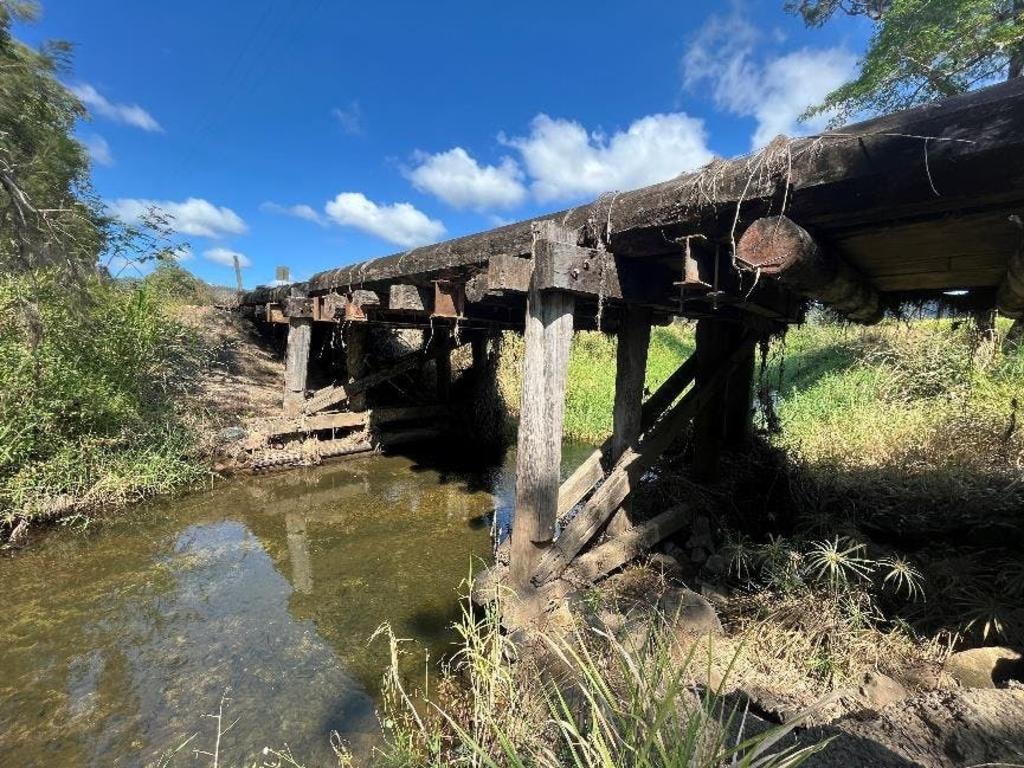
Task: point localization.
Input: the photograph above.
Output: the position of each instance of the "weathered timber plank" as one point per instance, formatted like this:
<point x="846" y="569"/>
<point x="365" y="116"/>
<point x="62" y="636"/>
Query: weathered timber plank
<point x="593" y="272"/>
<point x="887" y="168"/>
<point x="477" y="287"/>
<point x="665" y="395"/>
<point x="298" y="306"/>
<point x="350" y="419"/>
<point x="627" y="472"/>
<point x="314" y="423"/>
<point x="578" y="484"/>
<point x="628" y="545"/>
<point x="300" y="333"/>
<point x="549" y="316"/>
<point x="275" y="314"/>
<point x="591" y="472"/>
<point x="339" y="393"/>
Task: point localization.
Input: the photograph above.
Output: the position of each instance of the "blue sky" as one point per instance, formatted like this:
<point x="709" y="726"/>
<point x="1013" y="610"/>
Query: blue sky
<point x="314" y="134"/>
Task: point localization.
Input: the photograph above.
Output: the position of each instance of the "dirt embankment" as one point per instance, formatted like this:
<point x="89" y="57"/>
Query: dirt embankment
<point x="245" y="375"/>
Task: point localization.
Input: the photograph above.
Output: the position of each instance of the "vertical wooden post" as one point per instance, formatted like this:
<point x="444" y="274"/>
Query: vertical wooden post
<point x="547" y="338"/>
<point x="443" y="364"/>
<point x="714" y="343"/>
<point x="634" y="338"/>
<point x="296" y="367"/>
<point x="355" y="361"/>
<point x="479" y="347"/>
<point x="739" y="405"/>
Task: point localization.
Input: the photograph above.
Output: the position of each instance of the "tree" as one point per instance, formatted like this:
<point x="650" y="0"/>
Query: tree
<point x="48" y="216"/>
<point x="922" y="50"/>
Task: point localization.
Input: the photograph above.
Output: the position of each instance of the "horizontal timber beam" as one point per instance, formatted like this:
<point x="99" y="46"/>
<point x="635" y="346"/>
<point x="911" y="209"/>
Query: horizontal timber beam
<point x="889" y="167"/>
<point x="776" y="246"/>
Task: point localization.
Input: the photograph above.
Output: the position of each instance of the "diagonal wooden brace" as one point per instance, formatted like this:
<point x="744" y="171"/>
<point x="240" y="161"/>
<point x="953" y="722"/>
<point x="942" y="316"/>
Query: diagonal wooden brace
<point x="628" y="470"/>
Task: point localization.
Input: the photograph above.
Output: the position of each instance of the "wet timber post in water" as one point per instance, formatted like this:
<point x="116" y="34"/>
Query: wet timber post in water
<point x="300" y="332"/>
<point x="546" y="340"/>
<point x="634" y="339"/>
<point x="355" y="361"/>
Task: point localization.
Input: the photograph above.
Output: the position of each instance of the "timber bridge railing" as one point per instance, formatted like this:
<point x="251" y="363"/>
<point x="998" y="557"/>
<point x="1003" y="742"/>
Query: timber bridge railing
<point x="920" y="205"/>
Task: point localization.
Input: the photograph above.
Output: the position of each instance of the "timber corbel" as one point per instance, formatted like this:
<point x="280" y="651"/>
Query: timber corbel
<point x="298" y="306"/>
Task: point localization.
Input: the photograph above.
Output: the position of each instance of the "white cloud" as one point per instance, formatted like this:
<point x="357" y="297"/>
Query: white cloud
<point x="193" y="216"/>
<point x="226" y="257"/>
<point x="728" y="54"/>
<point x="399" y="223"/>
<point x="566" y="161"/>
<point x="300" y="211"/>
<point x="131" y="114"/>
<point x="350" y="118"/>
<point x="98" y="149"/>
<point x="459" y="180"/>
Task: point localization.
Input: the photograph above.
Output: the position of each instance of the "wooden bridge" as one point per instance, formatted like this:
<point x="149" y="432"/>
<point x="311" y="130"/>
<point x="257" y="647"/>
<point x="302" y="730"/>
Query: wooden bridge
<point x="911" y="206"/>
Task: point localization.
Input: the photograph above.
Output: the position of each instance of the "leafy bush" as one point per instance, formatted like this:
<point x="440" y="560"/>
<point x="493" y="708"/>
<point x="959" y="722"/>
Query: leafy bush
<point x="88" y="394"/>
<point x="176" y="285"/>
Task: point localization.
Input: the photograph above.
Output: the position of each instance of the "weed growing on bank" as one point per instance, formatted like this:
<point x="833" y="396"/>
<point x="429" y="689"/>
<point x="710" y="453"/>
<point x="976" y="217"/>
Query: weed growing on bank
<point x="91" y="398"/>
<point x="586" y="700"/>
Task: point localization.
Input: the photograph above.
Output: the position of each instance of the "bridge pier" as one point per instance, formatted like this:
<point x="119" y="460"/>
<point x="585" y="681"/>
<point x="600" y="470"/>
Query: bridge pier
<point x="634" y="339"/>
<point x="547" y="336"/>
<point x="355" y="361"/>
<point x="296" y="368"/>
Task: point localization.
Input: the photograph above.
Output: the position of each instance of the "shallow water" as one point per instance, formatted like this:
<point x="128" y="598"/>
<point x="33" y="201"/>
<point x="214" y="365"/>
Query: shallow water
<point x="117" y="642"/>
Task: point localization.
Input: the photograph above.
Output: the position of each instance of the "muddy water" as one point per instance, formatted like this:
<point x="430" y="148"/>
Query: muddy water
<point x="115" y="643"/>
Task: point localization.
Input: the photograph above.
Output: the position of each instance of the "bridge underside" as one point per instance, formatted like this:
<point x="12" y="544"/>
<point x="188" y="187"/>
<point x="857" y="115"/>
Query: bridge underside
<point x="911" y="206"/>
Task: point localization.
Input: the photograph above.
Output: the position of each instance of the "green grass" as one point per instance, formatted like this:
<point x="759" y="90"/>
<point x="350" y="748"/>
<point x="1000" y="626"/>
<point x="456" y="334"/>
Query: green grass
<point x="590" y="391"/>
<point x="585" y="699"/>
<point x="92" y="398"/>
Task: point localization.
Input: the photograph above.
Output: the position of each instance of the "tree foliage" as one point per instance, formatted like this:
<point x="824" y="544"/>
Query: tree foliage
<point x="47" y="214"/>
<point x="922" y="50"/>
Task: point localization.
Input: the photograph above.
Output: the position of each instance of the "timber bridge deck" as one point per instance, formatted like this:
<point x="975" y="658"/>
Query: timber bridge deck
<point x="911" y="206"/>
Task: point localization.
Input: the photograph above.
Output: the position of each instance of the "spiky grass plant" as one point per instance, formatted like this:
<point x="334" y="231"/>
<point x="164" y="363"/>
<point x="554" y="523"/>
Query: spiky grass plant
<point x="594" y="702"/>
<point x="902" y="577"/>
<point x="838" y="562"/>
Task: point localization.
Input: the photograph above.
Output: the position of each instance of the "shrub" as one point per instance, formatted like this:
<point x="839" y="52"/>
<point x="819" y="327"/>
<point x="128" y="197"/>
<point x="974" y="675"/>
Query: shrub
<point x="88" y="393"/>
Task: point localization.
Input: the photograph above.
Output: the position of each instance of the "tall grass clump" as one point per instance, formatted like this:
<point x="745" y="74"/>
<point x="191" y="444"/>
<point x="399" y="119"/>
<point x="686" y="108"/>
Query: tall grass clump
<point x="907" y="435"/>
<point x="585" y="700"/>
<point x="90" y="397"/>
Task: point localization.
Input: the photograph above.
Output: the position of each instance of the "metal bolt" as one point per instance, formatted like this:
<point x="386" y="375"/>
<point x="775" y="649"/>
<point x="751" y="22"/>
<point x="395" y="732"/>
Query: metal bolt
<point x="586" y="264"/>
<point x="575" y="274"/>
